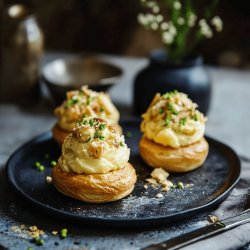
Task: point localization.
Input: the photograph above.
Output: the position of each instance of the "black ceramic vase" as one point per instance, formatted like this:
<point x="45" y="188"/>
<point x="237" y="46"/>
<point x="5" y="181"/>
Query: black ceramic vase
<point x="162" y="75"/>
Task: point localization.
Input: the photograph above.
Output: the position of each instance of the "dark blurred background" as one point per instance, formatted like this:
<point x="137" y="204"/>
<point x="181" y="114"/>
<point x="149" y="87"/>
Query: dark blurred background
<point x="109" y="26"/>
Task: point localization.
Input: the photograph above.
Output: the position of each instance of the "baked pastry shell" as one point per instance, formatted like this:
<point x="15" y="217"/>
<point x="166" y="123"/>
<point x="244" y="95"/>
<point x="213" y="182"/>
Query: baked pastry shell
<point x="182" y="159"/>
<point x="95" y="188"/>
<point x="59" y="134"/>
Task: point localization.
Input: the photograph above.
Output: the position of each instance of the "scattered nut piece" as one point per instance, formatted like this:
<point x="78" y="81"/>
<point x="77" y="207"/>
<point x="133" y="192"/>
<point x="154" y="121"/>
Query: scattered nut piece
<point x="213" y="218"/>
<point x="152" y="182"/>
<point x="31" y="231"/>
<point x="159" y="174"/>
<point x="167" y="185"/>
<point x="48" y="179"/>
<point x="33" y="228"/>
<point x="189" y="185"/>
<point x="159" y="195"/>
<point x="54" y="232"/>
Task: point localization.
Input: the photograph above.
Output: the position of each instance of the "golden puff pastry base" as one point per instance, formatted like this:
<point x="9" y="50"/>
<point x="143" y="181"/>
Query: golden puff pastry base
<point x="176" y="160"/>
<point x="59" y="134"/>
<point x="95" y="188"/>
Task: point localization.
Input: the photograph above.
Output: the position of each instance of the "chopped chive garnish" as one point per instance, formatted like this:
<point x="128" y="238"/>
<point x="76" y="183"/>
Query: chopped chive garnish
<point x="91" y="122"/>
<point x="167" y="121"/>
<point x="85" y="122"/>
<point x="37" y="164"/>
<point x="170" y="94"/>
<point x="53" y="163"/>
<point x="102" y="126"/>
<point x="88" y="140"/>
<point x="161" y="111"/>
<point x="88" y="100"/>
<point x="99" y="135"/>
<point x="195" y="117"/>
<point x="71" y="102"/>
<point x="41" y="168"/>
<point x="64" y="233"/>
<point x="129" y="134"/>
<point x="180" y="185"/>
<point x="121" y="144"/>
<point x="101" y="109"/>
<point x="171" y="108"/>
<point x="183" y="121"/>
<point x="220" y="224"/>
<point x="84" y="116"/>
<point x="39" y="241"/>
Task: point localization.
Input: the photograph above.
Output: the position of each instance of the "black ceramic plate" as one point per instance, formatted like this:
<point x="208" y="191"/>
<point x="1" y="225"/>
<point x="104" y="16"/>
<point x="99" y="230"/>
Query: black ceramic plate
<point x="211" y="184"/>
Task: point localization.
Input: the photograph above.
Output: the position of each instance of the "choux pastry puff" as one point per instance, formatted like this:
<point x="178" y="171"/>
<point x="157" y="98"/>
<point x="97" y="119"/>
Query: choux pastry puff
<point x="79" y="104"/>
<point x="173" y="134"/>
<point x="94" y="163"/>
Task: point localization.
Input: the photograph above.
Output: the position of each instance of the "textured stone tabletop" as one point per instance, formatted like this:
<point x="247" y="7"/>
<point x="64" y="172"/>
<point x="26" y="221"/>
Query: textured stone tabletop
<point x="228" y="122"/>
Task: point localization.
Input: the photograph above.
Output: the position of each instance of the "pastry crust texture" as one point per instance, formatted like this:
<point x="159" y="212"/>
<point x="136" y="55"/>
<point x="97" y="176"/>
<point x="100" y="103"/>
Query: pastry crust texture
<point x="182" y="159"/>
<point x="59" y="134"/>
<point x="94" y="164"/>
<point x="95" y="188"/>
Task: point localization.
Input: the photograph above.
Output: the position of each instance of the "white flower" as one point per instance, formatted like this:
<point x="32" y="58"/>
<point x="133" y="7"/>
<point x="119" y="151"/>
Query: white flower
<point x="156" y="9"/>
<point x="150" y="18"/>
<point x="180" y="20"/>
<point x="167" y="37"/>
<point x="159" y="18"/>
<point x="164" y="26"/>
<point x="191" y="20"/>
<point x="202" y="22"/>
<point x="172" y="29"/>
<point x="151" y="4"/>
<point x="205" y="29"/>
<point x="142" y="19"/>
<point x="177" y="5"/>
<point x="217" y="23"/>
<point x="154" y="26"/>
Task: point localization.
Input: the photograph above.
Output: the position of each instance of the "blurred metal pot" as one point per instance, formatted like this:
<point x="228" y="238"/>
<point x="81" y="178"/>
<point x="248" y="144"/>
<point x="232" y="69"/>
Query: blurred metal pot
<point x="21" y="51"/>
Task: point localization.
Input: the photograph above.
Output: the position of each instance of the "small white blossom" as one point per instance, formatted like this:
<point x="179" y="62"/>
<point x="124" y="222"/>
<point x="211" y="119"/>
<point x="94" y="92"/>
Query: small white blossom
<point x="180" y="20"/>
<point x="167" y="37"/>
<point x="191" y="20"/>
<point x="217" y="23"/>
<point x="156" y="9"/>
<point x="205" y="29"/>
<point x="142" y="19"/>
<point x="151" y="4"/>
<point x="172" y="29"/>
<point x="150" y="18"/>
<point x="177" y="5"/>
<point x="202" y="22"/>
<point x="154" y="26"/>
<point x="164" y="26"/>
<point x="159" y="18"/>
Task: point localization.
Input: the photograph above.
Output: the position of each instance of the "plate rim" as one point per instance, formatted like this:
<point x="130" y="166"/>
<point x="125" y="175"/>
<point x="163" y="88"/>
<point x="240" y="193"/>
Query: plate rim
<point x="129" y="221"/>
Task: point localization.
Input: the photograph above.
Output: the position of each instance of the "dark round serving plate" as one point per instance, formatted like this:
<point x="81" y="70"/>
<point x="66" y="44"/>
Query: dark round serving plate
<point x="212" y="183"/>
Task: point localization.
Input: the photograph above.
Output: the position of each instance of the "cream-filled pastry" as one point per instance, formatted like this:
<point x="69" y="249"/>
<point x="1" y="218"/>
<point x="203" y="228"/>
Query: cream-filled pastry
<point x="79" y="104"/>
<point x="173" y="133"/>
<point x="94" y="164"/>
